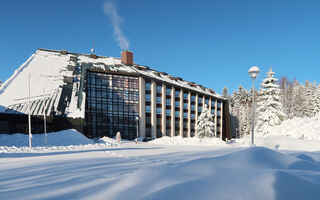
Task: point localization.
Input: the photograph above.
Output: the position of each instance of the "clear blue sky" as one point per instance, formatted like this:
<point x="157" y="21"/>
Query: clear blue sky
<point x="211" y="42"/>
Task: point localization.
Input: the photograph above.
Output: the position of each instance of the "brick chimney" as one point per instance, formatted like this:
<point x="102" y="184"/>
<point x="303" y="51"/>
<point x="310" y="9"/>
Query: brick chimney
<point x="127" y="57"/>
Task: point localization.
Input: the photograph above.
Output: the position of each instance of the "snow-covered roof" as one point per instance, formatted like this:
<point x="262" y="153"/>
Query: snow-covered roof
<point x="53" y="71"/>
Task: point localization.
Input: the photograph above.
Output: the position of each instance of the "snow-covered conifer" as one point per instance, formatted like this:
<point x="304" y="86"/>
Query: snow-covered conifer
<point x="286" y="88"/>
<point x="318" y="97"/>
<point x="310" y="107"/>
<point x="270" y="110"/>
<point x="240" y="112"/>
<point x="225" y="92"/>
<point x="205" y="126"/>
<point x="298" y="101"/>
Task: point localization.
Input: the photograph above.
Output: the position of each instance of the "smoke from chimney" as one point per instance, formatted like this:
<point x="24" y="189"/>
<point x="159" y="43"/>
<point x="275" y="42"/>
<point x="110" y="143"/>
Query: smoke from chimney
<point x="111" y="11"/>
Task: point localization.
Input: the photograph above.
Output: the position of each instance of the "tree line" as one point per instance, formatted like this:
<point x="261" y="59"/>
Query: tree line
<point x="276" y="101"/>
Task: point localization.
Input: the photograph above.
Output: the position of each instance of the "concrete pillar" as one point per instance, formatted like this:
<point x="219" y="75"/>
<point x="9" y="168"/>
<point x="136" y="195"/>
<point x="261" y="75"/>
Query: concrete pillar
<point x="189" y="115"/>
<point x="153" y="109"/>
<point x="173" y="113"/>
<point x="163" y="109"/>
<point x="221" y="114"/>
<point x="142" y="107"/>
<point x="215" y="114"/>
<point x="210" y="104"/>
<point x="196" y="109"/>
<point x="181" y="112"/>
<point x="203" y="101"/>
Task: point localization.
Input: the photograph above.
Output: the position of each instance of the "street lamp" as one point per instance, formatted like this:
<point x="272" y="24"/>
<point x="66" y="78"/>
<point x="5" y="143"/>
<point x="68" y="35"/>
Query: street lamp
<point x="254" y="72"/>
<point x="137" y="123"/>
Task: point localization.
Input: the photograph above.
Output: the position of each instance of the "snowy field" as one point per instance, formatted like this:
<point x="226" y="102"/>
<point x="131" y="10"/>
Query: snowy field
<point x="74" y="167"/>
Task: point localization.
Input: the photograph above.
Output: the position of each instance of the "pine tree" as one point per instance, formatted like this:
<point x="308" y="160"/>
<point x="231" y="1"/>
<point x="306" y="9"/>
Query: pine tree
<point x="286" y="87"/>
<point x="240" y="112"/>
<point x="318" y="97"/>
<point x="297" y="101"/>
<point x="270" y="111"/>
<point x="205" y="126"/>
<point x="225" y="92"/>
<point x="310" y="107"/>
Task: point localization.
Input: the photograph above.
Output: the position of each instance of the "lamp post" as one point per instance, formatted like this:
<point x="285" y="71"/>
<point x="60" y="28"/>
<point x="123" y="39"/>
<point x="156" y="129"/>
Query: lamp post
<point x="254" y="72"/>
<point x="137" y="123"/>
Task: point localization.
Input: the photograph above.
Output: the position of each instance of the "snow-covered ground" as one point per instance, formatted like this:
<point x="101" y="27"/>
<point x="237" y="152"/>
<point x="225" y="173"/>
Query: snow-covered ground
<point x="150" y="171"/>
<point x="165" y="168"/>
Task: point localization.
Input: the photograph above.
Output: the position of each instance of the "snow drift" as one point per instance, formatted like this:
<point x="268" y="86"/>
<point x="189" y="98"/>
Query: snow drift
<point x="178" y="140"/>
<point x="63" y="140"/>
<point x="301" y="128"/>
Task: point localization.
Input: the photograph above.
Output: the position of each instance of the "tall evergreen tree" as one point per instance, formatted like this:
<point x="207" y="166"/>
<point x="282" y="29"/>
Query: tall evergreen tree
<point x="205" y="126"/>
<point x="270" y="111"/>
<point x="225" y="92"/>
<point x="318" y="97"/>
<point x="240" y="112"/>
<point x="298" y="101"/>
<point x="310" y="107"/>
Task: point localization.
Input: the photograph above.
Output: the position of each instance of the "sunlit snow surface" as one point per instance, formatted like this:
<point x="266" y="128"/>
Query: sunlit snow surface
<point x="103" y="169"/>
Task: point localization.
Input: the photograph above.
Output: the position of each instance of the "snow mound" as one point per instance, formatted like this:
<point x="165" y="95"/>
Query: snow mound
<point x="253" y="173"/>
<point x="178" y="140"/>
<point x="62" y="140"/>
<point x="301" y="128"/>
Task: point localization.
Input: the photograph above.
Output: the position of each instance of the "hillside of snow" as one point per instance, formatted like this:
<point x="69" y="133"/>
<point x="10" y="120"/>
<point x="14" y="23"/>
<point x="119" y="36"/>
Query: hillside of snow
<point x="301" y="128"/>
<point x="293" y="134"/>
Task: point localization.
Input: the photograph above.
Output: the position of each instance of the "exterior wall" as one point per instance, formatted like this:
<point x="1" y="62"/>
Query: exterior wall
<point x="184" y="115"/>
<point x="142" y="107"/>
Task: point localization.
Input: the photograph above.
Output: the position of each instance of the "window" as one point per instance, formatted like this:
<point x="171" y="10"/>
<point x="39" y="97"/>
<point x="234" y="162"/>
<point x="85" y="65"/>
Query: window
<point x="148" y="86"/>
<point x="177" y="113"/>
<point x="192" y="107"/>
<point x="159" y="87"/>
<point x="177" y="104"/>
<point x="177" y="94"/>
<point x="219" y="112"/>
<point x="168" y="112"/>
<point x="185" y="96"/>
<point x="207" y="101"/>
<point x="111" y="107"/>
<point x="159" y="111"/>
<point x="168" y="91"/>
<point x="185" y="105"/>
<point x="212" y="103"/>
<point x="212" y="111"/>
<point x="148" y="109"/>
<point x="159" y="100"/>
<point x="193" y="97"/>
<point x="185" y="115"/>
<point x="148" y="97"/>
<point x="168" y="102"/>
